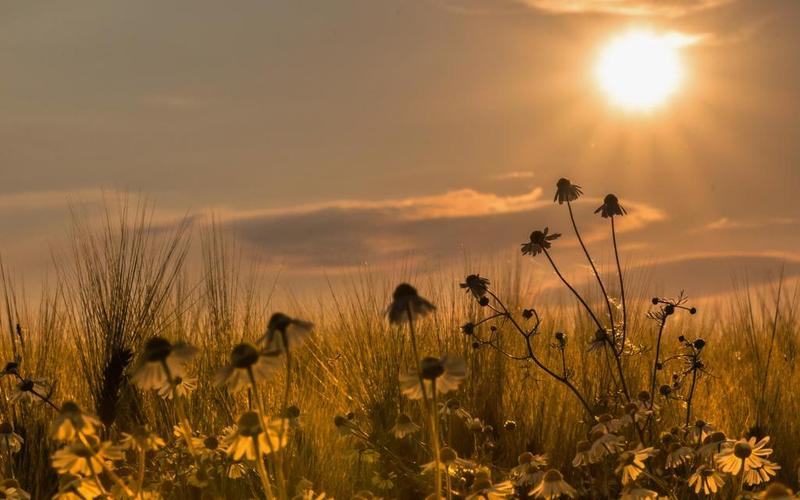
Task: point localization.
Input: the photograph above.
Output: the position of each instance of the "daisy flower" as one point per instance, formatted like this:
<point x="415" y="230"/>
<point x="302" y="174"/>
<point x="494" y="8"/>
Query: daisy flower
<point x="10" y="441"/>
<point x="285" y="334"/>
<point x="706" y="479"/>
<point x="444" y="374"/>
<point x="745" y="455"/>
<point x="182" y="386"/>
<point x="405" y="301"/>
<point x="678" y="455"/>
<point x="256" y="436"/>
<point x="476" y="285"/>
<point x="713" y="444"/>
<point x="71" y="420"/>
<point x="605" y="444"/>
<point x="566" y="191"/>
<point x="607" y="423"/>
<point x="384" y="480"/>
<point x="631" y="463"/>
<point x="698" y="432"/>
<point x="77" y="458"/>
<point x="403" y="426"/>
<point x="552" y="486"/>
<point x="247" y="365"/>
<point x="610" y="207"/>
<point x="529" y="471"/>
<point x="141" y="439"/>
<point x="30" y="390"/>
<point x="539" y="242"/>
<point x="483" y="489"/>
<point x="161" y="362"/>
<point x="583" y="454"/>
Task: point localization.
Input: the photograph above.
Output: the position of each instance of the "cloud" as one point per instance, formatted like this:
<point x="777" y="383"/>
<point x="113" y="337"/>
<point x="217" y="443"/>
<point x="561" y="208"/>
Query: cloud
<point x="349" y="233"/>
<point x="725" y="223"/>
<point x="513" y="175"/>
<point x="659" y="8"/>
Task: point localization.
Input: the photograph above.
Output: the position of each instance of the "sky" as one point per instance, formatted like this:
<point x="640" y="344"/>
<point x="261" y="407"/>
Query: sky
<point x="332" y="137"/>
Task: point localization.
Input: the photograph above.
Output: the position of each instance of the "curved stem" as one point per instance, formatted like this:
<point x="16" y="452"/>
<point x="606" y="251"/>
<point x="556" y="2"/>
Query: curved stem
<point x="435" y="442"/>
<point x="574" y="292"/>
<point x="621" y="284"/>
<point x="105" y="467"/>
<point x="140" y="478"/>
<point x="564" y="380"/>
<point x="262" y="413"/>
<point x="262" y="472"/>
<point x="594" y="270"/>
<point x="691" y="394"/>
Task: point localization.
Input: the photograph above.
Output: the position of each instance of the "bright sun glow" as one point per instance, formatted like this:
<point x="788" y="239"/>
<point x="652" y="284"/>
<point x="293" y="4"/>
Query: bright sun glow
<point x="640" y="69"/>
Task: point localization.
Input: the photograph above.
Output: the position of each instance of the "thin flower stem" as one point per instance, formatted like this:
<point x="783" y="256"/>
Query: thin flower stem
<point x="413" y="335"/>
<point x="262" y="472"/>
<point x="564" y="380"/>
<point x="263" y="415"/>
<point x="448" y="483"/>
<point x="691" y="393"/>
<point x="183" y="421"/>
<point x="10" y="457"/>
<point x="594" y="270"/>
<point x="621" y="284"/>
<point x="656" y="361"/>
<point x="119" y="482"/>
<point x="574" y="292"/>
<point x="140" y="479"/>
<point x="435" y="442"/>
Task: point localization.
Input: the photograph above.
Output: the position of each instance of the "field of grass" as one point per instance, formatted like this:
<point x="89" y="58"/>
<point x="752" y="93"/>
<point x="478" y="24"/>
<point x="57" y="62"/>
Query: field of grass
<point x="330" y="401"/>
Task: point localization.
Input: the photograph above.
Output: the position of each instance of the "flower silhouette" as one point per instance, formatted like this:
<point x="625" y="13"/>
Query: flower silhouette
<point x="566" y="191"/>
<point x="539" y="242"/>
<point x="407" y="302"/>
<point x="610" y="207"/>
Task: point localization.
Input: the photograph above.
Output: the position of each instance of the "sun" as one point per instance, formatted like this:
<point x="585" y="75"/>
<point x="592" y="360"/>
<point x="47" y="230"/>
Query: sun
<point x="640" y="69"/>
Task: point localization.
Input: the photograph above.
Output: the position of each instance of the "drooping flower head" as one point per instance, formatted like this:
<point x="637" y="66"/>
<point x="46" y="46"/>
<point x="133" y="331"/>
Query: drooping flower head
<point x="71" y="420"/>
<point x="445" y="374"/>
<point x="553" y="486"/>
<point x="706" y="480"/>
<point x="255" y="436"/>
<point x="404" y="426"/>
<point x="141" y="438"/>
<point x="566" y="191"/>
<point x="476" y="285"/>
<point x="539" y="242"/>
<point x="10" y="441"/>
<point x="78" y="458"/>
<point x="161" y="361"/>
<point x="610" y="207"/>
<point x="407" y="302"/>
<point x="285" y="333"/>
<point x="247" y="366"/>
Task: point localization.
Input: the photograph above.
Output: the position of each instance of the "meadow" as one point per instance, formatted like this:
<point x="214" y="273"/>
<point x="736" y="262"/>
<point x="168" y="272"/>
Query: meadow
<point x="135" y="375"/>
